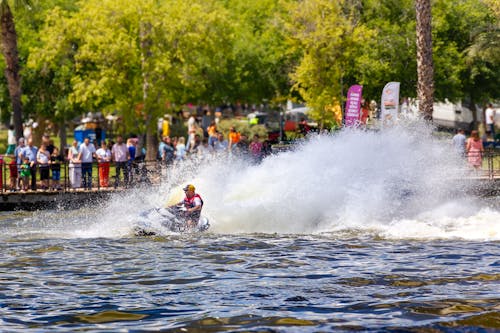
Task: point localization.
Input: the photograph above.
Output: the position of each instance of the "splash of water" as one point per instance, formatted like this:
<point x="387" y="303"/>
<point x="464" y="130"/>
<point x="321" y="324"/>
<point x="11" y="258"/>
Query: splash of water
<point x="397" y="183"/>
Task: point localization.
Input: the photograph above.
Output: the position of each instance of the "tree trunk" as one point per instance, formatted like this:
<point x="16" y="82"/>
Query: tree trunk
<point x="9" y="50"/>
<point x="146" y="43"/>
<point x="62" y="136"/>
<point x="425" y="66"/>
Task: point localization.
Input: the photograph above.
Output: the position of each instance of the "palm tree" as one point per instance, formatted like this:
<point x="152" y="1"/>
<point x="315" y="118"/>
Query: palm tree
<point x="425" y="66"/>
<point x="10" y="53"/>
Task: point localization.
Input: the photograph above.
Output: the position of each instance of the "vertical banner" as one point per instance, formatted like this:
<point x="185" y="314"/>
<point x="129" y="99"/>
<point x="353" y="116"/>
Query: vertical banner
<point x="352" y="106"/>
<point x="390" y="103"/>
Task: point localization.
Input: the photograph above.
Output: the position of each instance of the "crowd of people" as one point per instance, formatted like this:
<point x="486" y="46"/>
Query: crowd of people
<point x="471" y="148"/>
<point x="206" y="140"/>
<point x="32" y="168"/>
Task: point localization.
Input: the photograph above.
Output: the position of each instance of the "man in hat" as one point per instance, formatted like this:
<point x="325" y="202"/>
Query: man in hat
<point x="193" y="204"/>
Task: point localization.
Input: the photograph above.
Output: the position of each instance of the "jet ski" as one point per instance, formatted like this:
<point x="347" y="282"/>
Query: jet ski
<point x="159" y="221"/>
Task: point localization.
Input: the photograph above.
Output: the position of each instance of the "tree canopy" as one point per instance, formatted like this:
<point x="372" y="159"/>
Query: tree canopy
<point x="139" y="59"/>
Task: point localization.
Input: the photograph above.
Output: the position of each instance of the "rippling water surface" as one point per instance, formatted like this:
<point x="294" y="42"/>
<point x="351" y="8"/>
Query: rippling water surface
<point x="248" y="282"/>
<point x="339" y="235"/>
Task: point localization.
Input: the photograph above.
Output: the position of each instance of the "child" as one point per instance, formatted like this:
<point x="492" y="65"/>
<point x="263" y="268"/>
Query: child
<point x="13" y="175"/>
<point x="25" y="173"/>
<point x="55" y="166"/>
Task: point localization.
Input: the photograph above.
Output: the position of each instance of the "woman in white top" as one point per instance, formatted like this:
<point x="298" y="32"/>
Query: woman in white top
<point x="75" y="166"/>
<point x="103" y="160"/>
<point x="43" y="161"/>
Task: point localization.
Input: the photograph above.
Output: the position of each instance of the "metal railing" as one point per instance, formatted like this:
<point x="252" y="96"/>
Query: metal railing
<point x="103" y="176"/>
<point x="146" y="173"/>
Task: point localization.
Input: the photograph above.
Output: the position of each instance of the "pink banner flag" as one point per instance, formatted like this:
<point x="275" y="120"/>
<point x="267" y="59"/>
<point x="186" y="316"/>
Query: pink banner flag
<point x="352" y="106"/>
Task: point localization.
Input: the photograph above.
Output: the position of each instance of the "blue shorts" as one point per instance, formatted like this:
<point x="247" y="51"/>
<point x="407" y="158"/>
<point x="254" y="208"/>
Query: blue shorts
<point x="56" y="174"/>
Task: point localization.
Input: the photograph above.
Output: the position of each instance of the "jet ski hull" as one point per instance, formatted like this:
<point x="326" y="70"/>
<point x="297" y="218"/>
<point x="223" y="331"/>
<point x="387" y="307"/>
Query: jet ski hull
<point x="158" y="221"/>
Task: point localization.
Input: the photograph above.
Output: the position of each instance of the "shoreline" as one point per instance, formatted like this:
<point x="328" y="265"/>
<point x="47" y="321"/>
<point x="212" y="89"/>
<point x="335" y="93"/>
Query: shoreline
<point x="72" y="199"/>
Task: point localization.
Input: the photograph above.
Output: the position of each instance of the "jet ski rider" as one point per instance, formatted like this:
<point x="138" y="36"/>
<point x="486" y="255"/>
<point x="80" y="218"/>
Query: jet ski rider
<point x="193" y="204"/>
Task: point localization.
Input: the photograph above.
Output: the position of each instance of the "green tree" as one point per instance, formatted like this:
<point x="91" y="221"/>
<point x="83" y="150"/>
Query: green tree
<point x="132" y="57"/>
<point x="328" y="34"/>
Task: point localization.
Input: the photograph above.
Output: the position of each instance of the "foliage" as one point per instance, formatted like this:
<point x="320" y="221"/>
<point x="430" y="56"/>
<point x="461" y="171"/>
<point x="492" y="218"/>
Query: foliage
<point x="138" y="59"/>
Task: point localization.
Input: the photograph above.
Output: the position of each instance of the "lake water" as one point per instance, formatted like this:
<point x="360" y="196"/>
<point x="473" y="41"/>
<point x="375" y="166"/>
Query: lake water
<point x="357" y="231"/>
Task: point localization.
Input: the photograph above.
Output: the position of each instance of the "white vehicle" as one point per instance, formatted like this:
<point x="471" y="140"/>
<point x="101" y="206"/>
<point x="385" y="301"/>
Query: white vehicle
<point x="455" y="115"/>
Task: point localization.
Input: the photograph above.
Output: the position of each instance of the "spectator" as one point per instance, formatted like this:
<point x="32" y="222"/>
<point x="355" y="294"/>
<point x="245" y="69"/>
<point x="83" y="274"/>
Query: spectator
<point x="55" y="166"/>
<point x="475" y="150"/>
<point x="255" y="149"/>
<point x="196" y="145"/>
<point x="459" y="140"/>
<point x="490" y="120"/>
<point x="132" y="156"/>
<point x="86" y="155"/>
<point x="234" y="138"/>
<point x="30" y="152"/>
<point x="43" y="161"/>
<point x="221" y="144"/>
<point x="212" y="133"/>
<point x="75" y="166"/>
<point x="204" y="151"/>
<point x="49" y="144"/>
<point x="11" y="140"/>
<point x="168" y="152"/>
<point x="243" y="146"/>
<point x="165" y="126"/>
<point x="103" y="155"/>
<point x="180" y="149"/>
<point x="24" y="173"/>
<point x="120" y="156"/>
<point x="18" y="156"/>
<point x="191" y="131"/>
<point x="205" y="122"/>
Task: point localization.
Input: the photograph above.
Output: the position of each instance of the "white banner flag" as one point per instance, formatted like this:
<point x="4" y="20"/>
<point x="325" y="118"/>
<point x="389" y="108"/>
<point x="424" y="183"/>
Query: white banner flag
<point x="390" y="103"/>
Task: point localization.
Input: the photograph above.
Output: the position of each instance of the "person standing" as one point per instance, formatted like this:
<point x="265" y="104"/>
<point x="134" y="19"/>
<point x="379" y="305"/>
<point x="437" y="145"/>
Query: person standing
<point x="86" y="155"/>
<point x="55" y="166"/>
<point x="24" y="174"/>
<point x="11" y="140"/>
<point x="43" y="161"/>
<point x="205" y="122"/>
<point x="191" y="124"/>
<point x="490" y="120"/>
<point x="120" y="155"/>
<point x="234" y="138"/>
<point x="255" y="149"/>
<point x="75" y="166"/>
<point x="103" y="160"/>
<point x="212" y="133"/>
<point x="220" y="145"/>
<point x="19" y="158"/>
<point x="30" y="151"/>
<point x="180" y="149"/>
<point x="475" y="150"/>
<point x="459" y="141"/>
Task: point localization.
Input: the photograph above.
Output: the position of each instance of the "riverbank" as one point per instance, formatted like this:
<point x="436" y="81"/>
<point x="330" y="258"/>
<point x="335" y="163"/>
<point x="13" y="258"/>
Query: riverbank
<point x="71" y="199"/>
<point x="41" y="200"/>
